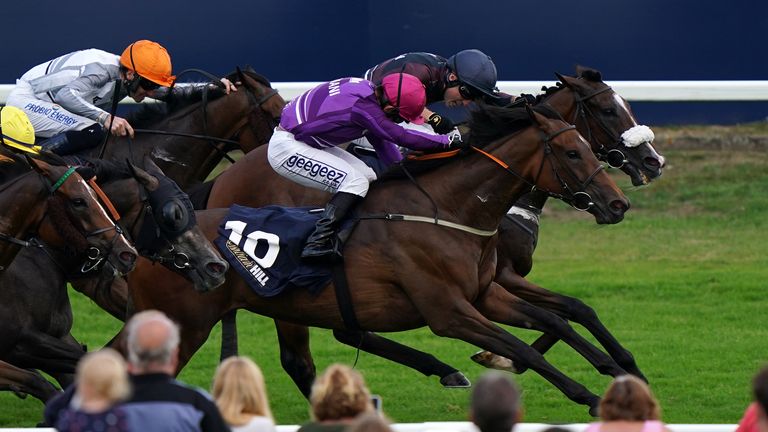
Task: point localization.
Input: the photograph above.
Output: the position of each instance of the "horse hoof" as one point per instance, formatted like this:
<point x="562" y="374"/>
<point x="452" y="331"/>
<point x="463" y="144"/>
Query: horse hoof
<point x="594" y="407"/>
<point x="455" y="380"/>
<point x="17" y="391"/>
<point x="493" y="361"/>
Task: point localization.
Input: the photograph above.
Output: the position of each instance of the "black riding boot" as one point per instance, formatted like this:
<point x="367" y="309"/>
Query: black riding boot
<point x="322" y="243"/>
<point x="71" y="142"/>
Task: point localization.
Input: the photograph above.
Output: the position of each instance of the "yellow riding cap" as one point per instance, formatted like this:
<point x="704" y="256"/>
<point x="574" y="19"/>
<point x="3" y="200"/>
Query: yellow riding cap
<point x="16" y="131"/>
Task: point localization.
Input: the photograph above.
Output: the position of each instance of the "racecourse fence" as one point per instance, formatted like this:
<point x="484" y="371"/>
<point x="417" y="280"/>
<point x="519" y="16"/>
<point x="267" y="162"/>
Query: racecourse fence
<point x="469" y="427"/>
<point x="640" y="91"/>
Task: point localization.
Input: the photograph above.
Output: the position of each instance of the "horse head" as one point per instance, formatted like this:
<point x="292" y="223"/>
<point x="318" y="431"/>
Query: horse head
<point x="606" y="120"/>
<point x="266" y="106"/>
<point x="168" y="231"/>
<point x="75" y="219"/>
<point x="574" y="174"/>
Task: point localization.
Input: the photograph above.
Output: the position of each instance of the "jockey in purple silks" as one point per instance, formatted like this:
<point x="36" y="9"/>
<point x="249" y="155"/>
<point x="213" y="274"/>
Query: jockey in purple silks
<point x="304" y="146"/>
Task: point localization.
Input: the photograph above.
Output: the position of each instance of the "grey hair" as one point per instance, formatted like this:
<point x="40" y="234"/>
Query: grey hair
<point x="495" y="403"/>
<point x="142" y="357"/>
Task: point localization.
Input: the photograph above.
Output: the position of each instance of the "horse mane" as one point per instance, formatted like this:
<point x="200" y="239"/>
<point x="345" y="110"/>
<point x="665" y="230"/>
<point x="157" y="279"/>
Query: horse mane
<point x="178" y="99"/>
<point x="250" y="72"/>
<point x="583" y="72"/>
<point x="487" y="124"/>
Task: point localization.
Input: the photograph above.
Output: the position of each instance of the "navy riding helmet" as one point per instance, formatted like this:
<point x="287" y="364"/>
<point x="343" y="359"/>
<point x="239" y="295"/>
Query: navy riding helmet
<point x="475" y="69"/>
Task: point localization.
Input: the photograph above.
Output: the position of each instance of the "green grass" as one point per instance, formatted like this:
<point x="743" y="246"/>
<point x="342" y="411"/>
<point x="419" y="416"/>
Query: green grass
<point x="680" y="282"/>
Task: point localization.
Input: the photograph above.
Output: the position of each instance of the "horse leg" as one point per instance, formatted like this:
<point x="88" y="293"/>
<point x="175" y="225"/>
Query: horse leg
<point x="451" y="315"/>
<point x="427" y="364"/>
<point x="295" y="356"/>
<point x="47" y="353"/>
<point x="229" y="335"/>
<point x="24" y="382"/>
<point x="572" y="309"/>
<point x="500" y="306"/>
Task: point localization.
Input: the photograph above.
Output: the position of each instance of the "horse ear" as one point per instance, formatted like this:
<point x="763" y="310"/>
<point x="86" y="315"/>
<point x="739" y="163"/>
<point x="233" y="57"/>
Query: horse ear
<point x="531" y="114"/>
<point x="148" y="180"/>
<point x="36" y="164"/>
<point x="240" y="74"/>
<point x="566" y="80"/>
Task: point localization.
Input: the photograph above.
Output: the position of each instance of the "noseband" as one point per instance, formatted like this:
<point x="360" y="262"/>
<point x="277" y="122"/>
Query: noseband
<point x="580" y="200"/>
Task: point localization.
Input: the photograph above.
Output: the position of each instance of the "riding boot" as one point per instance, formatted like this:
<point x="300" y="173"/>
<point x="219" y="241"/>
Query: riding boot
<point x="323" y="244"/>
<point x="74" y="141"/>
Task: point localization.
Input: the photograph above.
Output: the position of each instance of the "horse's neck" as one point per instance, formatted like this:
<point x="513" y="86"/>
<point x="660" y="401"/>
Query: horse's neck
<point x="563" y="102"/>
<point x="24" y="199"/>
<point x="481" y="191"/>
<point x="124" y="195"/>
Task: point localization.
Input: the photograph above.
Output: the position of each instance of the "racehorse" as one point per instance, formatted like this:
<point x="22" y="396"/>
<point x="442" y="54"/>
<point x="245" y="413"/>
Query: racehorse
<point x="161" y="220"/>
<point x="599" y="113"/>
<point x="27" y="200"/>
<point x="422" y="274"/>
<point x="189" y="135"/>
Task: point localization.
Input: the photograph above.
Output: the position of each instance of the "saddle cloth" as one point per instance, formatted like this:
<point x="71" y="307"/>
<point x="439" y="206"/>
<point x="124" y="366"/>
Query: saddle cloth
<point x="264" y="246"/>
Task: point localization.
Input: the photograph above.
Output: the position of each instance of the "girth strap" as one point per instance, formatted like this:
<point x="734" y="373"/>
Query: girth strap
<point x="343" y="296"/>
<point x="433" y="221"/>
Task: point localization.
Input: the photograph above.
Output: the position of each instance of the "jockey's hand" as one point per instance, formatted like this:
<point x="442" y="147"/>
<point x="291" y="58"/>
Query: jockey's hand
<point x="440" y="124"/>
<point x="119" y="126"/>
<point x="455" y="140"/>
<point x="228" y="86"/>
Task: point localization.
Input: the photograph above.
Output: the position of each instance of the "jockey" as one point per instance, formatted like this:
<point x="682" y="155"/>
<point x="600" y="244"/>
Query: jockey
<point x="304" y="145"/>
<point x="467" y="76"/>
<point x="67" y="98"/>
<point x="16" y="131"/>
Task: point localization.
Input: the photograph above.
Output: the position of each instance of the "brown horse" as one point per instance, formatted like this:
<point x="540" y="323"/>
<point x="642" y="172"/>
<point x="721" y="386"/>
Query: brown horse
<point x="599" y="113"/>
<point x="398" y="266"/>
<point x="188" y="136"/>
<point x="160" y="219"/>
<point x="26" y="200"/>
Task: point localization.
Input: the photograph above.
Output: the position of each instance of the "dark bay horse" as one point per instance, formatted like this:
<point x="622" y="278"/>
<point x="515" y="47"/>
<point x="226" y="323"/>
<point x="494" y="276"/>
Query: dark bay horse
<point x="395" y="268"/>
<point x="160" y="219"/>
<point x="170" y="132"/>
<point x="598" y="112"/>
<point x="26" y="200"/>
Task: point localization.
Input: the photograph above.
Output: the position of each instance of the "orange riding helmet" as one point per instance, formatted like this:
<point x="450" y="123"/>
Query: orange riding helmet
<point x="150" y="60"/>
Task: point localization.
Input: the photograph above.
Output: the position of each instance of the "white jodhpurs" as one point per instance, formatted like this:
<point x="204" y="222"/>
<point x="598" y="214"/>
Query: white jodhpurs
<point x="330" y="169"/>
<point x="47" y="118"/>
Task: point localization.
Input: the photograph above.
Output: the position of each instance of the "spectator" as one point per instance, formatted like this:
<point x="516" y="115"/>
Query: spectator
<point x="159" y="402"/>
<point x="240" y="393"/>
<point x="338" y="396"/>
<point x="102" y="382"/>
<point x="755" y="418"/>
<point x="628" y="405"/>
<point x="495" y="404"/>
<point x="370" y="422"/>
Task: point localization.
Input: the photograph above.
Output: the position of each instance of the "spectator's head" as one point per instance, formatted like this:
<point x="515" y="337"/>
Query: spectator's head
<point x="153" y="343"/>
<point x="239" y="391"/>
<point x="495" y="404"/>
<point x="370" y="422"/>
<point x="339" y="394"/>
<point x="760" y="387"/>
<point x="629" y="398"/>
<point x="102" y="375"/>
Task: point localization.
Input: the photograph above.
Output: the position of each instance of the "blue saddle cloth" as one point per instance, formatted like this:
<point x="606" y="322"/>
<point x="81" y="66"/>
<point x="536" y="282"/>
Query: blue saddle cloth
<point x="264" y="246"/>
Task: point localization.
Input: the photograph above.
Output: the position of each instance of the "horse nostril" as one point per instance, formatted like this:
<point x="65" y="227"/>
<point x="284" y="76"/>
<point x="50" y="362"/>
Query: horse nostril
<point x="652" y="163"/>
<point x="216" y="268"/>
<point x="619" y="206"/>
<point x="127" y="257"/>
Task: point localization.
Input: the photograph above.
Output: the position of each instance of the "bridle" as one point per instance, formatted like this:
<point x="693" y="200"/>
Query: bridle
<point x="580" y="200"/>
<point x="94" y="255"/>
<point x="152" y="236"/>
<point x="614" y="157"/>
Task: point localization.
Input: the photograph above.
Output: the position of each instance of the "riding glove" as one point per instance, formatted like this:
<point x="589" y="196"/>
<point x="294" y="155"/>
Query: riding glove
<point x="440" y="124"/>
<point x="455" y="140"/>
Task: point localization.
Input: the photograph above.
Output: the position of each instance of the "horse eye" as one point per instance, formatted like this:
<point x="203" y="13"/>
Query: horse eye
<point x="573" y="154"/>
<point x="79" y="202"/>
<point x="609" y="111"/>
